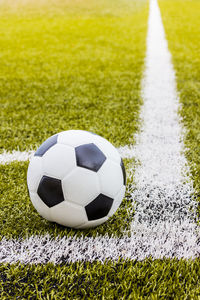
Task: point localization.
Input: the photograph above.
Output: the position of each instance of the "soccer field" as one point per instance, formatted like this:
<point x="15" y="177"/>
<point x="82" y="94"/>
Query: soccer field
<point x="103" y="66"/>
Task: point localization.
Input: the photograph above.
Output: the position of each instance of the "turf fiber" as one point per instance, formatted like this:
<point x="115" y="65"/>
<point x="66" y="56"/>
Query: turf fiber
<point x="79" y="66"/>
<point x="158" y="279"/>
<point x="64" y="66"/>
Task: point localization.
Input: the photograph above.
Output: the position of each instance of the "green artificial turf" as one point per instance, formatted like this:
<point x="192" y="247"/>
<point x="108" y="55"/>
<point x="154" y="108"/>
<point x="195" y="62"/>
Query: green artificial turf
<point x="158" y="279"/>
<point x="66" y="65"/>
<point x="79" y="65"/>
<point x="182" y="24"/>
<point x="18" y="218"/>
<point x="70" y="65"/>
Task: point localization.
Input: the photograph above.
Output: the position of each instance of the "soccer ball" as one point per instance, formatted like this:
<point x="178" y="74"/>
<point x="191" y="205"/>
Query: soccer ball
<point x="76" y="179"/>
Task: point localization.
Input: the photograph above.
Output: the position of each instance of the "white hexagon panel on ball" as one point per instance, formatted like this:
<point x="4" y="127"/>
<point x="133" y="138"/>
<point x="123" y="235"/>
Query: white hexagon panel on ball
<point x="34" y="174"/>
<point x="59" y="161"/>
<point x="107" y="148"/>
<point x="81" y="186"/>
<point x="74" y="137"/>
<point x="111" y="178"/>
<point x="68" y="214"/>
<point x="117" y="201"/>
<point x="40" y="206"/>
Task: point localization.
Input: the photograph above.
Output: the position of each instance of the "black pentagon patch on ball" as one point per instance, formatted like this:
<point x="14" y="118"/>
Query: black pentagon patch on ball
<point x="89" y="156"/>
<point x="99" y="207"/>
<point x="46" y="145"/>
<point x="50" y="191"/>
<point x="123" y="171"/>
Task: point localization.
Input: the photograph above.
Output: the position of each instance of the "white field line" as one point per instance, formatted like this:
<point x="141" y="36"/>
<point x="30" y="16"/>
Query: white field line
<point x="8" y="157"/>
<point x="164" y="223"/>
<point x="165" y="210"/>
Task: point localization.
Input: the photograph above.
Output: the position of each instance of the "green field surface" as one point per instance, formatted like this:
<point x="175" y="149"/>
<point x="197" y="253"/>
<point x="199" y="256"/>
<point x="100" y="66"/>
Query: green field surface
<point x="70" y="65"/>
<point x="182" y="25"/>
<point x="66" y="65"/>
<point x="78" y="65"/>
<point x="158" y="279"/>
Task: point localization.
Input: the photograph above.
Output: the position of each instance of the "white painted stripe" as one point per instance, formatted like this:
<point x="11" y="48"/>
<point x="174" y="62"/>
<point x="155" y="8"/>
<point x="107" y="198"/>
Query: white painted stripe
<point x="163" y="189"/>
<point x="38" y="249"/>
<point x="127" y="151"/>
<point x="8" y="157"/>
<point x="164" y="223"/>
